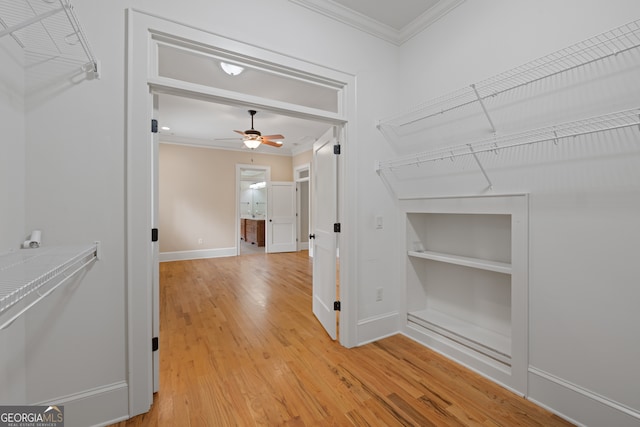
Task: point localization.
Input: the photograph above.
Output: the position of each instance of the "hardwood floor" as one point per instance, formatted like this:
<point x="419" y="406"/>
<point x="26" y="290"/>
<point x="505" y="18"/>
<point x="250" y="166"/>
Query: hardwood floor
<point x="240" y="347"/>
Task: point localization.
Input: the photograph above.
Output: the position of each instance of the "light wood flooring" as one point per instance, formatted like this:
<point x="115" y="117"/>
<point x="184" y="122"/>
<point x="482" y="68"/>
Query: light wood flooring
<point x="240" y="347"/>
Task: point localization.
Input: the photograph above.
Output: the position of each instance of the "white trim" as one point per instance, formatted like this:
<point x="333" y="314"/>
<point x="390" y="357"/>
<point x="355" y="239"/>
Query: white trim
<point x="593" y="399"/>
<point x="140" y="74"/>
<point x="92" y="407"/>
<point x="378" y="327"/>
<point x="197" y="254"/>
<point x="376" y="28"/>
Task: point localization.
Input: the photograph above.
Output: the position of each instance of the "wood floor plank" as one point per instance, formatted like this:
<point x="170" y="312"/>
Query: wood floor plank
<point x="240" y="347"/>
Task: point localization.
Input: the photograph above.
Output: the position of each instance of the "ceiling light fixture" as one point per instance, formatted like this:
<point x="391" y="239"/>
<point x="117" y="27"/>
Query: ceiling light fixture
<point x="258" y="185"/>
<point x="231" y="69"/>
<point x="252" y="141"/>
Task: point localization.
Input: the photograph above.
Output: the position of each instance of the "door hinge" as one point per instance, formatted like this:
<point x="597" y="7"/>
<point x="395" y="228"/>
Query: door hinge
<point x="154" y="126"/>
<point x="154" y="234"/>
<point x="312" y="236"/>
<point x="336" y="305"/>
<point x="154" y="344"/>
<point x="336" y="149"/>
<point x="336" y="227"/>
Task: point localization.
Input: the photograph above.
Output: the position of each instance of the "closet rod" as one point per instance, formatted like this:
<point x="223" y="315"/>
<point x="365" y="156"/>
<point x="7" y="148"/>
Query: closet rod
<point x="607" y="122"/>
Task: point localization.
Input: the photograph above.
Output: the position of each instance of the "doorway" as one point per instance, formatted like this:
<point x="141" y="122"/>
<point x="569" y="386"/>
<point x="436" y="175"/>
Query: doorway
<point x="251" y="185"/>
<point x="302" y="177"/>
<point x="145" y="33"/>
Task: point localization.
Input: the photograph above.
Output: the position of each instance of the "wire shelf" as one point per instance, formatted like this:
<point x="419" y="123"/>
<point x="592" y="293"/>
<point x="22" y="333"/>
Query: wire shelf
<point x="608" y="44"/>
<point x="607" y="122"/>
<point x="47" y="27"/>
<point x="26" y="271"/>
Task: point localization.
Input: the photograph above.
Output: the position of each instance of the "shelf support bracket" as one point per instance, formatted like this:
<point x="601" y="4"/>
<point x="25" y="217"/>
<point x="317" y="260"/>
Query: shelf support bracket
<point x="484" y="108"/>
<point x="475" y="156"/>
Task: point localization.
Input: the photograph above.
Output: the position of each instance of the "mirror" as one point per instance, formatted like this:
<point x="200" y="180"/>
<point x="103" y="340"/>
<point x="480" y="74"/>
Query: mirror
<point x="253" y="194"/>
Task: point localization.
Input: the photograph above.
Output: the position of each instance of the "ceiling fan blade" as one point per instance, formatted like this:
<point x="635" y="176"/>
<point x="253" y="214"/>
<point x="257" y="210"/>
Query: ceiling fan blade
<point x="272" y="136"/>
<point x="271" y="143"/>
<point x="240" y="132"/>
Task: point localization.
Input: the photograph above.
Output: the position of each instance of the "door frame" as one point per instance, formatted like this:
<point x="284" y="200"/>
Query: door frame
<point x="239" y="168"/>
<point x="299" y="180"/>
<point x="142" y="82"/>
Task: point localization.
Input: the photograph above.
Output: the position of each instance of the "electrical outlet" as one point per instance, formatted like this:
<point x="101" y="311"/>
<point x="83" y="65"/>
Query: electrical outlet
<point x="200" y="241"/>
<point x="379" y="294"/>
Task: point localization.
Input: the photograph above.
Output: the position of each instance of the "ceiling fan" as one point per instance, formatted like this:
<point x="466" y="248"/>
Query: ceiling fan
<point x="253" y="138"/>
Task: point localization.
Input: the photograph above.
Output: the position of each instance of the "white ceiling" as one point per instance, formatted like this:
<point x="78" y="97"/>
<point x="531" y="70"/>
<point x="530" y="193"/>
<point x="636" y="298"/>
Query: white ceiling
<point x="203" y="123"/>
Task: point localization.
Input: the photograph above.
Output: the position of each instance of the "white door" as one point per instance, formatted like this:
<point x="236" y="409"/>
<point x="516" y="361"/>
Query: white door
<point x="155" y="274"/>
<point x="324" y="240"/>
<point x="281" y="217"/>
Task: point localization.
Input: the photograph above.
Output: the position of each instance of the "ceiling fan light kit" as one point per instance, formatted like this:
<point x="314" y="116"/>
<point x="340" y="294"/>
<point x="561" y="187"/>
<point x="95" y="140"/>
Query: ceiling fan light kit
<point x="253" y="138"/>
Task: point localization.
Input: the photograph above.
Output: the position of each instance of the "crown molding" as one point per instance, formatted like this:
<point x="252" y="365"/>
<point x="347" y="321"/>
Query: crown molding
<point x="427" y="19"/>
<point x="364" y="23"/>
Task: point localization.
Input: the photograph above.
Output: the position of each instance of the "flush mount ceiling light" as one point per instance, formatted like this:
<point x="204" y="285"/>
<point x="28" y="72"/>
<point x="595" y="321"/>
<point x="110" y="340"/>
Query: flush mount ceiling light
<point x="231" y="69"/>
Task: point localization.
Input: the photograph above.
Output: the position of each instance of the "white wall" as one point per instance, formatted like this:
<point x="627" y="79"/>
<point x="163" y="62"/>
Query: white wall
<point x="76" y="181"/>
<point x="75" y="184"/>
<point x="12" y="202"/>
<point x="12" y="160"/>
<point x="585" y="194"/>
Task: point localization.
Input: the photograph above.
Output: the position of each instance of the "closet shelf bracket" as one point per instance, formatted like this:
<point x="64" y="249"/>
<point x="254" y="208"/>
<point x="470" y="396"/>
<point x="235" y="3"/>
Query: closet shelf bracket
<point x="484" y="172"/>
<point x="484" y="108"/>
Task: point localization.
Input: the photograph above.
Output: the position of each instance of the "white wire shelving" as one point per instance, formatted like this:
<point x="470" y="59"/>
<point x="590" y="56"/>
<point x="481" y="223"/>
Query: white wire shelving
<point x="28" y="271"/>
<point x="49" y="28"/>
<point x="605" y="45"/>
<point x="607" y="122"/>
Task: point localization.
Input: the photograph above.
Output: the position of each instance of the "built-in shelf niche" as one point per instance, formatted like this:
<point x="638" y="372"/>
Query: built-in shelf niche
<point x="466" y="281"/>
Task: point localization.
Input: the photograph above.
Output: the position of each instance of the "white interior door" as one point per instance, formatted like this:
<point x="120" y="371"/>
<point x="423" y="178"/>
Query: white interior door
<point x="281" y="217"/>
<point x="155" y="274"/>
<point x="325" y="215"/>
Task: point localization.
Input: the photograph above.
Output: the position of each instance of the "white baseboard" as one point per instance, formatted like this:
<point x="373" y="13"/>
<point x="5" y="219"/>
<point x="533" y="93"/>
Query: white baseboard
<point x="197" y="254"/>
<point x="577" y="404"/>
<point x="377" y="327"/>
<point x="101" y="406"/>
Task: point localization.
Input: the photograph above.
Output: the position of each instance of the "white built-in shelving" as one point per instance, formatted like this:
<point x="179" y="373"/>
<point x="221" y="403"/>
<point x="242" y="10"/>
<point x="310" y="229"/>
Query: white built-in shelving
<point x="49" y="28"/>
<point x="39" y="271"/>
<point x="466" y="281"/>
<point x="482" y="264"/>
